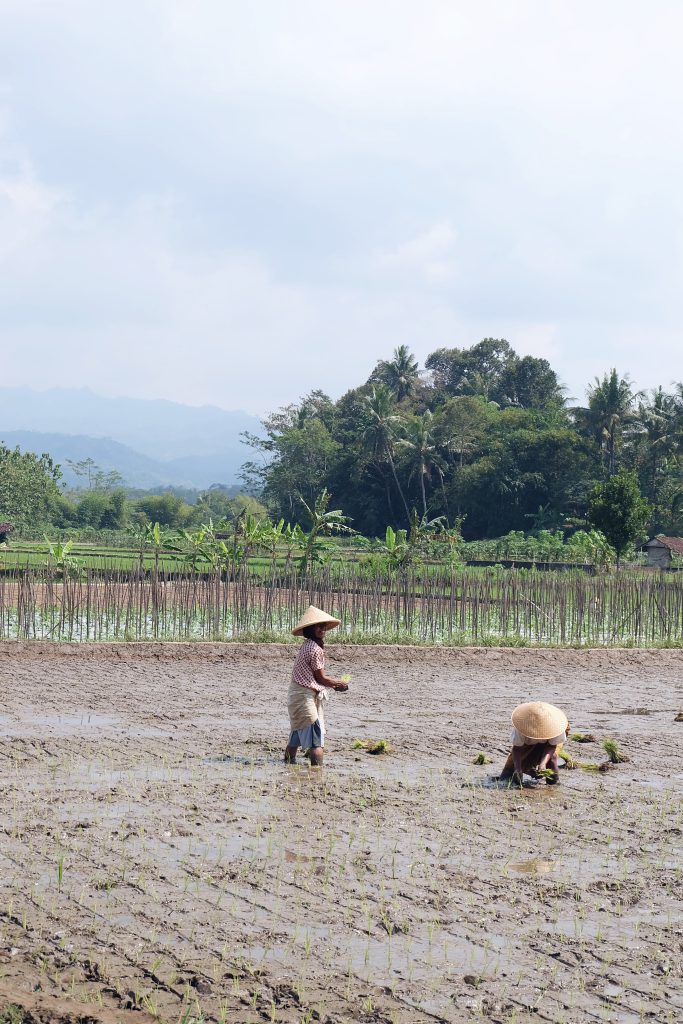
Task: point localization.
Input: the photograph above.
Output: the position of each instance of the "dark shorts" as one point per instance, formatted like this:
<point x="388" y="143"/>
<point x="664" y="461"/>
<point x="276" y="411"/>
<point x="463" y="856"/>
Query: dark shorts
<point x="311" y="736"/>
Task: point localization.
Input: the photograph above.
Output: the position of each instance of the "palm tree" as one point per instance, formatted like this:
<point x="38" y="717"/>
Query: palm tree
<point x="380" y="431"/>
<point x="400" y="373"/>
<point x="424" y="458"/>
<point x="659" y="422"/>
<point x="610" y="407"/>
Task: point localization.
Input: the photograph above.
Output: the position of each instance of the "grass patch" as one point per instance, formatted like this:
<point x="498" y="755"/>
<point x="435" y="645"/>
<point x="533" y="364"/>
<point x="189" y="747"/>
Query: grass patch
<point x="12" y="1014"/>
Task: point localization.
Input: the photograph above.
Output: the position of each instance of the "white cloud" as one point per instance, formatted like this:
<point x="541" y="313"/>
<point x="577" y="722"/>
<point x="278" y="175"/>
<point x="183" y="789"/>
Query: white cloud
<point x="237" y="203"/>
<point x="429" y="257"/>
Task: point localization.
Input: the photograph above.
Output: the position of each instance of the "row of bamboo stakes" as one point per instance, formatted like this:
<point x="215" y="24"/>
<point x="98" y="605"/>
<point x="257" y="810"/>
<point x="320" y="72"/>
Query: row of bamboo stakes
<point x="423" y="604"/>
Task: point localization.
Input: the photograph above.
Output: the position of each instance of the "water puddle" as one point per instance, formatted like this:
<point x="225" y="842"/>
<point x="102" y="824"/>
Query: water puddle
<point x="625" y="711"/>
<point x="80" y="723"/>
<point x="242" y="762"/>
<point x="528" y="786"/>
<point x="537" y="866"/>
<point x="297" y="858"/>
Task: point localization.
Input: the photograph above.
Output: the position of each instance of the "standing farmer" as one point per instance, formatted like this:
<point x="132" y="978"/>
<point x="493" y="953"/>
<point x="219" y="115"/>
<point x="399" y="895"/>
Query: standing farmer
<point x="307" y="689"/>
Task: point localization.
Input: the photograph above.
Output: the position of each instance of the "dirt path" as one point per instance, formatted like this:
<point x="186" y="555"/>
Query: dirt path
<point x="158" y="859"/>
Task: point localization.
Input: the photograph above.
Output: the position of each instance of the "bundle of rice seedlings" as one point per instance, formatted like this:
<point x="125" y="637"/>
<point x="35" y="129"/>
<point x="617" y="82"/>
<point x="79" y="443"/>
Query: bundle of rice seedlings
<point x="569" y="763"/>
<point x="582" y="737"/>
<point x="613" y="752"/>
<point x="378" y="747"/>
<point x="481" y="758"/>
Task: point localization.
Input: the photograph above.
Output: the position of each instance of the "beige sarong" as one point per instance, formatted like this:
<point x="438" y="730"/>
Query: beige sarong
<point x="305" y="706"/>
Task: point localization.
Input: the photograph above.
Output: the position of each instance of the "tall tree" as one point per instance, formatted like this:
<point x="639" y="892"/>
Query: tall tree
<point x="657" y="442"/>
<point x="530" y="383"/>
<point x="479" y="370"/>
<point x="618" y="509"/>
<point x="400" y="373"/>
<point x="29" y="491"/>
<point x="298" y="453"/>
<point x="380" y="430"/>
<point x="419" y="443"/>
<point x="610" y="408"/>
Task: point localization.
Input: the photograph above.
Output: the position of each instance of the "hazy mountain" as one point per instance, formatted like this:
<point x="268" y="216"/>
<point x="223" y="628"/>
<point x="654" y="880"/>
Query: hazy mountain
<point x="150" y="443"/>
<point x="157" y="428"/>
<point x="137" y="470"/>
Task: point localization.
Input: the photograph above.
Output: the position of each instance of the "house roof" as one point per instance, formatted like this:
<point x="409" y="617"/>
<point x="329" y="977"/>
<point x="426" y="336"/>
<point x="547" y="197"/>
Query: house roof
<point x="674" y="544"/>
<point x="6" y="527"/>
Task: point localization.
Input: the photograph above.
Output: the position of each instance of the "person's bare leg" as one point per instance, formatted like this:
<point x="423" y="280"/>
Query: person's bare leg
<point x="512" y="771"/>
<point x="517" y="758"/>
<point x="290" y="755"/>
<point x="316" y="756"/>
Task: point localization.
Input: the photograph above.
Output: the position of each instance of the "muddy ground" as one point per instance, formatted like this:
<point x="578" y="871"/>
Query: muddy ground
<point x="157" y="860"/>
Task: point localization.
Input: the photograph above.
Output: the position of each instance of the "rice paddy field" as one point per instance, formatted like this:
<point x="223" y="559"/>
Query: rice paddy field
<point x="159" y="862"/>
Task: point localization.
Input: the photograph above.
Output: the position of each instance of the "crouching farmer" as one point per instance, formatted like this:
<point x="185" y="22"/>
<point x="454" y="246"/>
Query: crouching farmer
<point x="539" y="730"/>
<point x="308" y="687"/>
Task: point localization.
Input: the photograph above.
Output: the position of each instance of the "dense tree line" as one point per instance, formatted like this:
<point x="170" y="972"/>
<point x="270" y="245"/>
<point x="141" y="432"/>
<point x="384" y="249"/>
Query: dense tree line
<point x="32" y="501"/>
<point x="479" y="433"/>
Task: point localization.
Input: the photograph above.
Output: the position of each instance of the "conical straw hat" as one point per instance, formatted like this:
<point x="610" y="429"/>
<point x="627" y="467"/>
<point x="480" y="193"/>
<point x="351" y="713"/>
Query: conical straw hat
<point x="312" y="617"/>
<point x="539" y="721"/>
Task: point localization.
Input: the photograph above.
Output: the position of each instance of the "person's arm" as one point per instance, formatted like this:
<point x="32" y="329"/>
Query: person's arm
<point x="323" y="680"/>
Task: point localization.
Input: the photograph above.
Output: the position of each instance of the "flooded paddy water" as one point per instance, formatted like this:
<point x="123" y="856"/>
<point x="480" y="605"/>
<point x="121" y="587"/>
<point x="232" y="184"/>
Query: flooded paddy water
<point x="158" y="861"/>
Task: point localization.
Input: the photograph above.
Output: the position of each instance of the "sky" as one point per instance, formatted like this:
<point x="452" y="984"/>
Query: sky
<point x="234" y="203"/>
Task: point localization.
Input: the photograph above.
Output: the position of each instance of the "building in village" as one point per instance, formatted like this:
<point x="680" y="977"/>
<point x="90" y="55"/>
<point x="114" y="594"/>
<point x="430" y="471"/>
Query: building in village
<point x="660" y="551"/>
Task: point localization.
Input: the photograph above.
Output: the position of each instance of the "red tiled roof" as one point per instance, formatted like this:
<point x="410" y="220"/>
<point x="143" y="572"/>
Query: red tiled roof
<point x="674" y="544"/>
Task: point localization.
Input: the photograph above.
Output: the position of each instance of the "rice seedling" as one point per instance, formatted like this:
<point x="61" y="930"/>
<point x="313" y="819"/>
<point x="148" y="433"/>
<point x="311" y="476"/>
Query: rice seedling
<point x="615" y="755"/>
<point x="359" y="745"/>
<point x="481" y="758"/>
<point x="12" y="1014"/>
<point x="582" y="737"/>
<point x="378" y="747"/>
<point x="569" y="763"/>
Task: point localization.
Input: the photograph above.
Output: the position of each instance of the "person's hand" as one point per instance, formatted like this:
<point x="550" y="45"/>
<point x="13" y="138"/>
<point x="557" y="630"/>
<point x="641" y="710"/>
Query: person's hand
<point x="341" y="687"/>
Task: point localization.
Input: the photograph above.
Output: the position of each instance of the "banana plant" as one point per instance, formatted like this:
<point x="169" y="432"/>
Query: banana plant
<point x="156" y="537"/>
<point x="60" y="560"/>
<point x="324" y="522"/>
<point x="197" y="546"/>
<point x="396" y="549"/>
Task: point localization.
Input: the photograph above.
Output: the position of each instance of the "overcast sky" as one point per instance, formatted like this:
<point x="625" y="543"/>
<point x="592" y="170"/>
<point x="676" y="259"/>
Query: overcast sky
<point x="236" y="202"/>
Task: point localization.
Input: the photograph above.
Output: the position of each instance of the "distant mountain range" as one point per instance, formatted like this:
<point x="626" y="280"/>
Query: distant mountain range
<point x="150" y="443"/>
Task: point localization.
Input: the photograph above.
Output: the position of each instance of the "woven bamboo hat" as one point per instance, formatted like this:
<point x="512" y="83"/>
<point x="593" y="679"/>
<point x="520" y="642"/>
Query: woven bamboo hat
<point x="313" y="617"/>
<point x="539" y="721"/>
